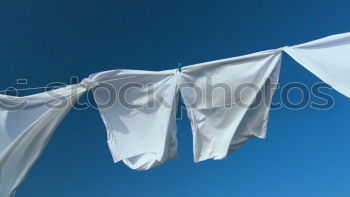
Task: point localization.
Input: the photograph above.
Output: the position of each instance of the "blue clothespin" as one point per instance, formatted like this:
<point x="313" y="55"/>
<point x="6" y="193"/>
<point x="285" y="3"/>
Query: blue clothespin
<point x="179" y="65"/>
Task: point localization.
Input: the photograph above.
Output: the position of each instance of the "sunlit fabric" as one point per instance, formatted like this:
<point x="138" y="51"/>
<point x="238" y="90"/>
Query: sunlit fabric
<point x="228" y="102"/>
<point x="232" y="102"/>
<point x="138" y="109"/>
<point x="26" y="125"/>
<point x="328" y="58"/>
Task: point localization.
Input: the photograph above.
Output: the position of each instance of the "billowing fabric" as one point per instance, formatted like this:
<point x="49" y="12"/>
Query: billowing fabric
<point x="228" y="101"/>
<point x="328" y="58"/>
<point x="26" y="125"/>
<point x="138" y="109"/>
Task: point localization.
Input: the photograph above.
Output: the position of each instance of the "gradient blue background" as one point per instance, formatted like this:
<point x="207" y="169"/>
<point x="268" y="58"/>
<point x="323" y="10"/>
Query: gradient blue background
<point x="306" y="152"/>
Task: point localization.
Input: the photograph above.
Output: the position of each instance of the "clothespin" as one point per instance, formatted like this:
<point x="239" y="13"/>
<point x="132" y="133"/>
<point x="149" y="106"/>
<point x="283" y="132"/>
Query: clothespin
<point x="179" y="65"/>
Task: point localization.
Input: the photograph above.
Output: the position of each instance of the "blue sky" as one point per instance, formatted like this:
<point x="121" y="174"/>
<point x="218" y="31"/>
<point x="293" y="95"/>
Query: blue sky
<point x="306" y="152"/>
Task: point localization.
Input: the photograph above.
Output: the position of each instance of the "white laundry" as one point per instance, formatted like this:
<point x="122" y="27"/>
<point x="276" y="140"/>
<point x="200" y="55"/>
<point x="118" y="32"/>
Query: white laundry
<point x="26" y="125"/>
<point x="138" y="109"/>
<point x="328" y="58"/>
<point x="222" y="119"/>
<point x="228" y="102"/>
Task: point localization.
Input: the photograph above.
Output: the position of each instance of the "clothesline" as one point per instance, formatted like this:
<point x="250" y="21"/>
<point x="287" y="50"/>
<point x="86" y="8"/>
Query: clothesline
<point x="13" y="89"/>
<point x="60" y="86"/>
<point x="179" y="67"/>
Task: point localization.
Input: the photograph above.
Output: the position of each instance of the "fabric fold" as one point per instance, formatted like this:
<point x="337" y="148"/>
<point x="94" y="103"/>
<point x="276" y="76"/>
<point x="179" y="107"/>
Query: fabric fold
<point x="228" y="101"/>
<point x="327" y="58"/>
<point x="139" y="112"/>
<point x="26" y="125"/>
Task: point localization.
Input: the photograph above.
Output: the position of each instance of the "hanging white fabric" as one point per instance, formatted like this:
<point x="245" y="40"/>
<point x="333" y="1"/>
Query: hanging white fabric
<point x="228" y="102"/>
<point x="219" y="127"/>
<point x="232" y="102"/>
<point x="138" y="109"/>
<point x="26" y="125"/>
<point x="328" y="58"/>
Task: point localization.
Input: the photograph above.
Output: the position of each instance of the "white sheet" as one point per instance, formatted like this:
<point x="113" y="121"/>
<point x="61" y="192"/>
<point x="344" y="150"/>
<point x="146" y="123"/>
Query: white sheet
<point x="25" y="132"/>
<point x="328" y="58"/>
<point x="144" y="136"/>
<point x="221" y="123"/>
